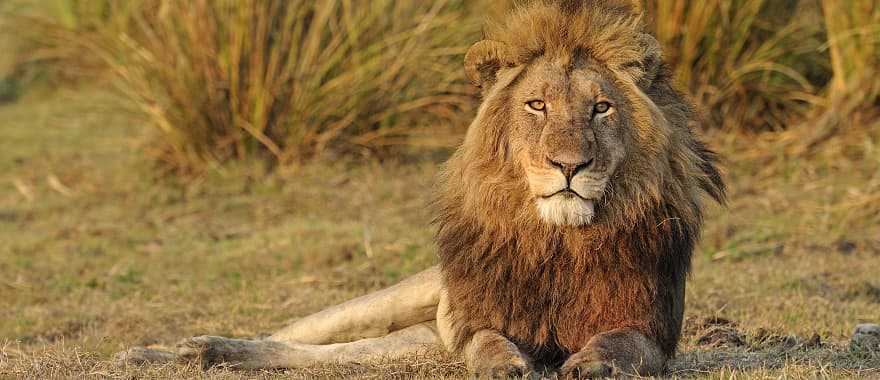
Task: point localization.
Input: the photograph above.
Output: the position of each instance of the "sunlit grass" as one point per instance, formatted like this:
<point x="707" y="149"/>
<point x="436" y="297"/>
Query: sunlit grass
<point x="287" y="80"/>
<point x="744" y="61"/>
<point x="284" y="80"/>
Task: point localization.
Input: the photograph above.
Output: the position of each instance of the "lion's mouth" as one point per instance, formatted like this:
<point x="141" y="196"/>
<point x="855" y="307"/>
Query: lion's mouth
<point x="566" y="208"/>
<point x="567" y="193"/>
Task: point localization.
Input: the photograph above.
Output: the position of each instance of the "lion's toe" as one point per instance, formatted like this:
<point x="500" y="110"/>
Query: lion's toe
<point x="595" y="369"/>
<point x="511" y="367"/>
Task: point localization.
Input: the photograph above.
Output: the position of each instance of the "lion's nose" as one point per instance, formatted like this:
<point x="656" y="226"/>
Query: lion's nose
<point x="569" y="169"/>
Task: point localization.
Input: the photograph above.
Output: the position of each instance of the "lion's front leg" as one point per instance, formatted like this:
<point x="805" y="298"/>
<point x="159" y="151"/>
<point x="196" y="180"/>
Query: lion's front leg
<point x="487" y="353"/>
<point x="616" y="352"/>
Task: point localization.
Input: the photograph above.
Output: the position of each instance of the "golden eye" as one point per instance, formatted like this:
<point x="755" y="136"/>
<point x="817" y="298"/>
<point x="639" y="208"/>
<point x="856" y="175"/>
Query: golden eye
<point x="601" y="107"/>
<point x="537" y="105"/>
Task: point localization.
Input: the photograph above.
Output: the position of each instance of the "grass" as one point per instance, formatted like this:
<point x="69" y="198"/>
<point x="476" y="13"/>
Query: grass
<point x="279" y="80"/>
<point x="751" y="64"/>
<point x="100" y="254"/>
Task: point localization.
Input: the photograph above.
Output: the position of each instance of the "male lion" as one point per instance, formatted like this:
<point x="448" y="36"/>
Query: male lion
<point x="566" y="220"/>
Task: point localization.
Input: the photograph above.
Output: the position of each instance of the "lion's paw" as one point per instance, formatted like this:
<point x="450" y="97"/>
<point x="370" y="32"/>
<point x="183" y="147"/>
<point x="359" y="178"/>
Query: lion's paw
<point x="211" y="351"/>
<point x="509" y="366"/>
<point x="581" y="367"/>
<point x="587" y="370"/>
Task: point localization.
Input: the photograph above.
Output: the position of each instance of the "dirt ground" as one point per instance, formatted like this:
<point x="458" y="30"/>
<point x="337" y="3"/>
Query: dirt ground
<point x="98" y="253"/>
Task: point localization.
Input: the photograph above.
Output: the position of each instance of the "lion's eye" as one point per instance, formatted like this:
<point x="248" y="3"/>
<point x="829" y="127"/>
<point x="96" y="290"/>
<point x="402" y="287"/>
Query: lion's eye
<point x="537" y="105"/>
<point x="601" y="107"/>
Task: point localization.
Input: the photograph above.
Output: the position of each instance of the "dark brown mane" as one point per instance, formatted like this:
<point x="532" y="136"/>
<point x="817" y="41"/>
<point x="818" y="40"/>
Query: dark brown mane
<point x="551" y="288"/>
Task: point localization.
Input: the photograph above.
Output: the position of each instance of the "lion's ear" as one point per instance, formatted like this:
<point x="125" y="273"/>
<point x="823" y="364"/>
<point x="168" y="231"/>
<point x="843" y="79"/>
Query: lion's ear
<point x="483" y="60"/>
<point x="645" y="70"/>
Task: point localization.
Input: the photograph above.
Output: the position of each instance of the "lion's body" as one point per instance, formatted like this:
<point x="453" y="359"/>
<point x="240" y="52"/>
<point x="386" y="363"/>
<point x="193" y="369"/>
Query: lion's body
<point x="566" y="220"/>
<point x="550" y="289"/>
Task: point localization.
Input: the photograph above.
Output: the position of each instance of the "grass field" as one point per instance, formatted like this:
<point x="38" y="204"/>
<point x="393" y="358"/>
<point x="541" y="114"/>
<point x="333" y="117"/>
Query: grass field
<point x="97" y="254"/>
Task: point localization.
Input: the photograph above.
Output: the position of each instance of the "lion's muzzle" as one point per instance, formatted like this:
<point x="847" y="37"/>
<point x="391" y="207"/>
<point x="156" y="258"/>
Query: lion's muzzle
<point x="567" y="195"/>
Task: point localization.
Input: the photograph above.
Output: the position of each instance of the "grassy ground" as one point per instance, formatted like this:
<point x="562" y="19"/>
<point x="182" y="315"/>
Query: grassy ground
<point x="97" y="255"/>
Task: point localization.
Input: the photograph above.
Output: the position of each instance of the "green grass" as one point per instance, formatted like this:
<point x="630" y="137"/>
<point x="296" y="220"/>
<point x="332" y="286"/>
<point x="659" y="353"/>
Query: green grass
<point x="108" y="256"/>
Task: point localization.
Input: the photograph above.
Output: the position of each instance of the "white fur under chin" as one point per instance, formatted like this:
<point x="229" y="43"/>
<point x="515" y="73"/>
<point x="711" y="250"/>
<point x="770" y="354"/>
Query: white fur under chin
<point x="563" y="210"/>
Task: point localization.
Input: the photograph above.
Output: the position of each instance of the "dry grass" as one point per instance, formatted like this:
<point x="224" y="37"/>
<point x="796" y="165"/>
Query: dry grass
<point x="282" y="80"/>
<point x="751" y="64"/>
<point x="113" y="258"/>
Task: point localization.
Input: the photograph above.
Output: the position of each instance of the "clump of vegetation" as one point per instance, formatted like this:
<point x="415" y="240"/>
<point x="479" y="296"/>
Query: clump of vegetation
<point x="285" y="80"/>
<point x="752" y="64"/>
<point x="853" y="95"/>
<point x="288" y="79"/>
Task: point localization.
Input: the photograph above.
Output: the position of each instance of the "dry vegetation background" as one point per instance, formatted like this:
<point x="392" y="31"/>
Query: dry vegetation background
<point x="176" y="168"/>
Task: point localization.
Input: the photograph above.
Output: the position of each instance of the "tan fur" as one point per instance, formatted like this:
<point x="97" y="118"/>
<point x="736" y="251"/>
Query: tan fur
<point x="564" y="233"/>
<point x="408" y="303"/>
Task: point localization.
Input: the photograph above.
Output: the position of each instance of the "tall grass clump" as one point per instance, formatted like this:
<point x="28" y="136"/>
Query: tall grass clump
<point x="851" y="100"/>
<point x="752" y="63"/>
<point x="287" y="79"/>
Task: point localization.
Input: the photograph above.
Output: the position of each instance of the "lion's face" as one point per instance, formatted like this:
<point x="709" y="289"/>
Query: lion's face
<point x="579" y="124"/>
<point x="567" y="136"/>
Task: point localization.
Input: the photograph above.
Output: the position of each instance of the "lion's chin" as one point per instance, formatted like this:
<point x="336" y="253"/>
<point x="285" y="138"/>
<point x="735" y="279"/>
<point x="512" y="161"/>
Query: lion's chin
<point x="565" y="210"/>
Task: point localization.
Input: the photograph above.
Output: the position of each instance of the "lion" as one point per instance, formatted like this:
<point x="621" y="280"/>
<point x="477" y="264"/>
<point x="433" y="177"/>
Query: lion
<point x="565" y="221"/>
